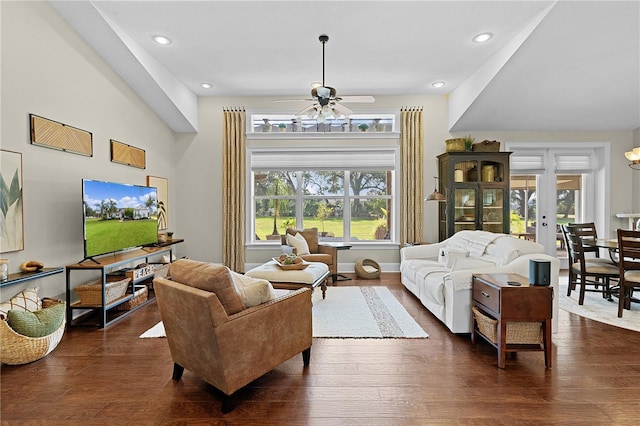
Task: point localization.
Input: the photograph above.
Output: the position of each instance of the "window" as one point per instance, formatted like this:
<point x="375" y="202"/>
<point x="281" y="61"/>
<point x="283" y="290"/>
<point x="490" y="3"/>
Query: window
<point x="349" y="195"/>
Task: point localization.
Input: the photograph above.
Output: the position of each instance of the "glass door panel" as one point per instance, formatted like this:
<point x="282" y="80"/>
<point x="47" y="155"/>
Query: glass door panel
<point x="464" y="209"/>
<point x="492" y="210"/>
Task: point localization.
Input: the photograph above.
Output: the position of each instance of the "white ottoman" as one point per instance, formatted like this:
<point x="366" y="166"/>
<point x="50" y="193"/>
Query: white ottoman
<point x="312" y="276"/>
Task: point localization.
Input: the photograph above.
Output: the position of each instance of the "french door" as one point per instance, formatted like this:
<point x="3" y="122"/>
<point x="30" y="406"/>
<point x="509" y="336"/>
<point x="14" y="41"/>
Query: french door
<point x="555" y="186"/>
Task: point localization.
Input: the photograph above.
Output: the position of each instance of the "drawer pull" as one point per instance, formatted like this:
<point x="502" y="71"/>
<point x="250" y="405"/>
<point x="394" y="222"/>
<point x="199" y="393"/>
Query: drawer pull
<point x="484" y="294"/>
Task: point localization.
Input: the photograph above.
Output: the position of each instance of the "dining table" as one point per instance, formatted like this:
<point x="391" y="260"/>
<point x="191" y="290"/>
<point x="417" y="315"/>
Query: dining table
<point x="610" y="244"/>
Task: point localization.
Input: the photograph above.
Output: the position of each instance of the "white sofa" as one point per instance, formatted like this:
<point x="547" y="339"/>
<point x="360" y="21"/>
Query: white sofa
<point x="439" y="274"/>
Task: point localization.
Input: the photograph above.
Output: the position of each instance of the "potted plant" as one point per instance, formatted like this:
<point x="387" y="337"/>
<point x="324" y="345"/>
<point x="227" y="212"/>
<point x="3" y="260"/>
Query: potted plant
<point x="363" y="127"/>
<point x="282" y="127"/>
<point x="468" y="142"/>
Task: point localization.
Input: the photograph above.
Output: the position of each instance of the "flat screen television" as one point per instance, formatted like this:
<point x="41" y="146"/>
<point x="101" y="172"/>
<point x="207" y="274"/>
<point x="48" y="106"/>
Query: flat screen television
<point x="117" y="216"/>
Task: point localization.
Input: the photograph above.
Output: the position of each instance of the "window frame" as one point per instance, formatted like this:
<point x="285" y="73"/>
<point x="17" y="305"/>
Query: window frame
<point x="355" y="151"/>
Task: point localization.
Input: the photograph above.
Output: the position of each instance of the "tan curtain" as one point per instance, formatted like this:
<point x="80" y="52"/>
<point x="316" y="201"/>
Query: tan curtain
<point x="233" y="189"/>
<point x="411" y="175"/>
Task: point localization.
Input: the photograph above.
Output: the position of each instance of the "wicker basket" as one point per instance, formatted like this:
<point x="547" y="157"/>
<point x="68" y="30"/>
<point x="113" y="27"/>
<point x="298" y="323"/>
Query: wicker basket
<point x="367" y="269"/>
<point x="16" y="349"/>
<point x="91" y="293"/>
<point x="455" y="145"/>
<point x="517" y="332"/>
<point x="161" y="270"/>
<point x="140" y="296"/>
<point x="486" y="146"/>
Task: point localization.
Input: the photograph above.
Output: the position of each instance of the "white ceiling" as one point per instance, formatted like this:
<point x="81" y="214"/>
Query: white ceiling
<point x="566" y="65"/>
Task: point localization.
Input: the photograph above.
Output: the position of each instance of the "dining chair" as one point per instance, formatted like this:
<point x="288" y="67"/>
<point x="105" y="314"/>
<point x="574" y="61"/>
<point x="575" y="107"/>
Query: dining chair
<point x="629" y="261"/>
<point x="587" y="271"/>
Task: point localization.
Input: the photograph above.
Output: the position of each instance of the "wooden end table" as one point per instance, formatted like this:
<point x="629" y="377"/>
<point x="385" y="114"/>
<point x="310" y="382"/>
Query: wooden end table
<point x="496" y="296"/>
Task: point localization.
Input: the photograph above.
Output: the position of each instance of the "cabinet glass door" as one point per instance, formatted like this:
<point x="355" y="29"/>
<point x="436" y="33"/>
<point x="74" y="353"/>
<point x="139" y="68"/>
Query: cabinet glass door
<point x="464" y="209"/>
<point x="493" y="210"/>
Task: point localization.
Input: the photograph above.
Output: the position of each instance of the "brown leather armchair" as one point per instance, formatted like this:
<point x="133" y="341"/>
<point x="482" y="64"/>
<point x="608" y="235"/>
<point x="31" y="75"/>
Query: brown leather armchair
<point x="228" y="350"/>
<point x="317" y="252"/>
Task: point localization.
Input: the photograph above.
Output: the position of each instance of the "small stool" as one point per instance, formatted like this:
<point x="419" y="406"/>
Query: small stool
<point x="367" y="269"/>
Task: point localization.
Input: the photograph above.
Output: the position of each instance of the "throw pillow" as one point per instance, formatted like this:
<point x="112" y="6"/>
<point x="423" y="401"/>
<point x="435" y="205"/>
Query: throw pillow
<point x="298" y="243"/>
<point x="39" y="323"/>
<point x="208" y="277"/>
<point x="26" y="300"/>
<point x="310" y="235"/>
<point x="254" y="291"/>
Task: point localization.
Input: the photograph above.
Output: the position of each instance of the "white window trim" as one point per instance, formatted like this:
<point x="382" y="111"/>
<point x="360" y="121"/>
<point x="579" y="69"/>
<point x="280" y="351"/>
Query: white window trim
<point x="395" y="148"/>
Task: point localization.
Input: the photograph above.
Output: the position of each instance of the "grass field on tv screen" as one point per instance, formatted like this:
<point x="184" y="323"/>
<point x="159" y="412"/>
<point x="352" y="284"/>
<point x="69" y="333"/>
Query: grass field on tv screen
<point x="106" y="236"/>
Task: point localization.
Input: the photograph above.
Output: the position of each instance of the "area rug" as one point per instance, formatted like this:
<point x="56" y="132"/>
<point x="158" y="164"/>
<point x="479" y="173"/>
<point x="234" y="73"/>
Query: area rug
<point x="352" y="312"/>
<point x="597" y="308"/>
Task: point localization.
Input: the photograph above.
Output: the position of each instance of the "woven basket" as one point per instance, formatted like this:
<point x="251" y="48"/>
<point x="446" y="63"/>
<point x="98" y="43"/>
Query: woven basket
<point x="161" y="270"/>
<point x="16" y="349"/>
<point x="139" y="297"/>
<point x="91" y="293"/>
<point x="486" y="146"/>
<point x="517" y="332"/>
<point x="455" y="145"/>
<point x="367" y="269"/>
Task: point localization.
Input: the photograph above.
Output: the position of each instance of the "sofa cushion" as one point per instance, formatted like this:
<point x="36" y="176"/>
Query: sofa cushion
<point x="447" y="256"/>
<point x="310" y="235"/>
<point x="254" y="291"/>
<point x="208" y="277"/>
<point x="39" y="323"/>
<point x="26" y="300"/>
<point x="299" y="243"/>
<point x="461" y="263"/>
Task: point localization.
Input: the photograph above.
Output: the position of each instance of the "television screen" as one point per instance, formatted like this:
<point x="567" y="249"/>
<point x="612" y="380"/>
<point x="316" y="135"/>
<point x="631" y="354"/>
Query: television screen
<point x="117" y="216"/>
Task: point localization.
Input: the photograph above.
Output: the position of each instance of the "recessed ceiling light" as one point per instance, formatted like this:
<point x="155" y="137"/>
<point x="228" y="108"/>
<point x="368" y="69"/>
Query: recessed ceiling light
<point x="481" y="38"/>
<point x="206" y="85"/>
<point x="438" y="84"/>
<point x="161" y="39"/>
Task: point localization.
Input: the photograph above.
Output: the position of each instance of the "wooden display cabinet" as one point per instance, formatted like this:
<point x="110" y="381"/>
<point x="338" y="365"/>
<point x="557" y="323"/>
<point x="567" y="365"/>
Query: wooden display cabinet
<point x="476" y="186"/>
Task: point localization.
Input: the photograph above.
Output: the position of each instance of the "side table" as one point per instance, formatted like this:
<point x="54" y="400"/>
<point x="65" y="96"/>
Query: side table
<point x="510" y="298"/>
<point x="338" y="246"/>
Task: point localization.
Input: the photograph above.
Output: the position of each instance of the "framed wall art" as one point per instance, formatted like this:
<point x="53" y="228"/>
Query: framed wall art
<point x="126" y="154"/>
<point x="51" y="134"/>
<point x="11" y="206"/>
<point x="162" y="186"/>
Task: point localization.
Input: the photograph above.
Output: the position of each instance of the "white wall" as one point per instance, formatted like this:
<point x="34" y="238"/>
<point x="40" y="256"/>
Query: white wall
<point x="48" y="70"/>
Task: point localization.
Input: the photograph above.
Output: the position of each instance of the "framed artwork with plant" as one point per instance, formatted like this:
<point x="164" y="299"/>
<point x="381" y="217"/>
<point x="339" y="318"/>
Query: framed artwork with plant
<point x="11" y="220"/>
<point x="162" y="187"/>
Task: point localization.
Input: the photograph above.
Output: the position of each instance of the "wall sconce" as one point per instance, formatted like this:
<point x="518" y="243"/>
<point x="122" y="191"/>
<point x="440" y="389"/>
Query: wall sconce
<point x="435" y="195"/>
<point x="634" y="157"/>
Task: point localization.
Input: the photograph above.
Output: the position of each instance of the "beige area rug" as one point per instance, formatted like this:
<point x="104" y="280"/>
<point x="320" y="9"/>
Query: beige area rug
<point x="599" y="309"/>
<point x="352" y="312"/>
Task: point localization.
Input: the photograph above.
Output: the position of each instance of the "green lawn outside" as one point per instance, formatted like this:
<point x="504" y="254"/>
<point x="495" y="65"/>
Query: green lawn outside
<point x="106" y="236"/>
<point x="362" y="229"/>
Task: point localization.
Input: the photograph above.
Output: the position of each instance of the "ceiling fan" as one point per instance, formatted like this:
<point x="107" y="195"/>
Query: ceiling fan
<point x="326" y="104"/>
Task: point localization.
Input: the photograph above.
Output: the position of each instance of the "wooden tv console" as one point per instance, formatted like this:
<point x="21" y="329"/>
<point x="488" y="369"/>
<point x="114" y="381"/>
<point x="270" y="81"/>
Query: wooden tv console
<point x="108" y="264"/>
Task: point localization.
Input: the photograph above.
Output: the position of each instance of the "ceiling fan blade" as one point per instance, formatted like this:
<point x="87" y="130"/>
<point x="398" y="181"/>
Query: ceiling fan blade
<point x="342" y="110"/>
<point x="293" y="100"/>
<point x="358" y="99"/>
<point x="305" y="110"/>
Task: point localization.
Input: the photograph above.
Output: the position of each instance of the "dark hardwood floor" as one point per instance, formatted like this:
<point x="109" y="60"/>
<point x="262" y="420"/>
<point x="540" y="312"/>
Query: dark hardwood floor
<point x="110" y="376"/>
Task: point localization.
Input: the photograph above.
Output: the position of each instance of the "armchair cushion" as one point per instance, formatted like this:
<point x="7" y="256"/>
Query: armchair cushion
<point x="253" y="291"/>
<point x="211" y="278"/>
<point x="299" y="243"/>
<point x="310" y="235"/>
